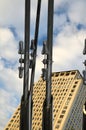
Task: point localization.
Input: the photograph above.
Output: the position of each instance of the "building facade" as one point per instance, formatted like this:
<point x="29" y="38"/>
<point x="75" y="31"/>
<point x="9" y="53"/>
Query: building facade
<point x="84" y="116"/>
<point x="69" y="95"/>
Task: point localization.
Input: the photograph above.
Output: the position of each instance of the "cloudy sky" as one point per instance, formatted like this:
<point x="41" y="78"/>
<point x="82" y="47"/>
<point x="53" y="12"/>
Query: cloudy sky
<point x="69" y="34"/>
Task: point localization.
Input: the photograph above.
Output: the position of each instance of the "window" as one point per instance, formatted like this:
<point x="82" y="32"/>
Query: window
<point x="63" y="112"/>
<point x="61" y="116"/>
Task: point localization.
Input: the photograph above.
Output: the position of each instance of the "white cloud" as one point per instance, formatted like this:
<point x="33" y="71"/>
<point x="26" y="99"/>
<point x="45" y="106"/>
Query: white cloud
<point x="10" y="85"/>
<point x="10" y="77"/>
<point x="68" y="48"/>
<point x="10" y="92"/>
<point x="8" y="47"/>
<point x="6" y="98"/>
<point x="59" y="21"/>
<point x="77" y="11"/>
<point x="58" y="3"/>
<point x="12" y="13"/>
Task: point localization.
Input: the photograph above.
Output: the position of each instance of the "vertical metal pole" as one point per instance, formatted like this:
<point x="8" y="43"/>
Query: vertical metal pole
<point x="84" y="83"/>
<point x="34" y="58"/>
<point x="48" y="104"/>
<point x="27" y="43"/>
<point x="35" y="43"/>
<point x="50" y="46"/>
<point x="25" y="123"/>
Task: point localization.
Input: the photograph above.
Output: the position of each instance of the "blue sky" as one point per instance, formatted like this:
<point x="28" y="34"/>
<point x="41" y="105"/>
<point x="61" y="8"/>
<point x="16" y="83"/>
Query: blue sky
<point x="69" y="34"/>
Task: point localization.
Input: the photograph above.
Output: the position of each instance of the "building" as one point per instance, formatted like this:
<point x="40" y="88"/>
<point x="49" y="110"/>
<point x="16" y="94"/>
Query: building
<point x="84" y="116"/>
<point x="69" y="95"/>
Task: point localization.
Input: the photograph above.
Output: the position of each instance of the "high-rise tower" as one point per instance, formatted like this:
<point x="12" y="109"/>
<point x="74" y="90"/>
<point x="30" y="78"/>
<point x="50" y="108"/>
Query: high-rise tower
<point x="69" y="95"/>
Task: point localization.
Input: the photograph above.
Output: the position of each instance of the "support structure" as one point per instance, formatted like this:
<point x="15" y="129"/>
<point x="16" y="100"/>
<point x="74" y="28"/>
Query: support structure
<point x="84" y="81"/>
<point x="48" y="103"/>
<point x="29" y="63"/>
<point x="25" y="113"/>
<point x="84" y="71"/>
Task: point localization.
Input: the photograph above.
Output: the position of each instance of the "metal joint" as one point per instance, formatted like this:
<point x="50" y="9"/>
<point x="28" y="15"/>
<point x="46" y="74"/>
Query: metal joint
<point x="21" y="60"/>
<point x="45" y="49"/>
<point x="84" y="51"/>
<point x="45" y="61"/>
<point x="31" y="63"/>
<point x="44" y="72"/>
<point x="21" y="71"/>
<point x="21" y="50"/>
<point x="32" y="47"/>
